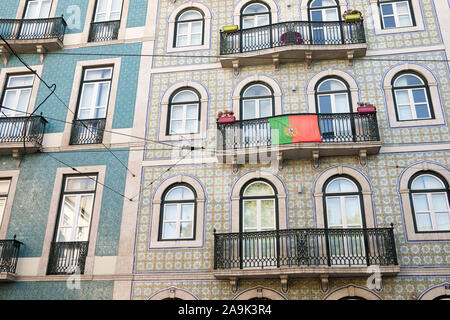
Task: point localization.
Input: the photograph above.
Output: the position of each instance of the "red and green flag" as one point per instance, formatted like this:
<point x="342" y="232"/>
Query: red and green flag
<point x="295" y="129"/>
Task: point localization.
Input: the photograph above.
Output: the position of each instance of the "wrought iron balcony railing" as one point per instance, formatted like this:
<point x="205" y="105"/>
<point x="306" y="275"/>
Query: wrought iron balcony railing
<point x="67" y="257"/>
<point x="305" y="247"/>
<point x="104" y="31"/>
<point x="88" y="131"/>
<point x="333" y="127"/>
<point x="9" y="254"/>
<point x="22" y="129"/>
<point x="33" y="29"/>
<point x="292" y="33"/>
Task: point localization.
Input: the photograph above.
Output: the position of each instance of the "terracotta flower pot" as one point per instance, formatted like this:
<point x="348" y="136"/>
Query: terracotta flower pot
<point x="367" y="109"/>
<point x="227" y="119"/>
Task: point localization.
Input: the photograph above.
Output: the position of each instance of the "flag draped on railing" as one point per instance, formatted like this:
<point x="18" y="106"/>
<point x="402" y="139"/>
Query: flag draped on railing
<point x="295" y="129"/>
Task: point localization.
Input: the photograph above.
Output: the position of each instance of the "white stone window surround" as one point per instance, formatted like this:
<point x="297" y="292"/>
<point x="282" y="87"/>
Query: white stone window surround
<point x="238" y="8"/>
<point x="53" y="214"/>
<point x="352" y="291"/>
<point x="173" y="293"/>
<point x="366" y="193"/>
<point x="404" y="194"/>
<point x="5" y="73"/>
<point x="353" y="86"/>
<point x="274" y="85"/>
<point x="436" y="291"/>
<point x="259" y="292"/>
<point x="281" y="195"/>
<point x="164" y="109"/>
<point x="433" y="87"/>
<point x="376" y="19"/>
<point x="74" y="99"/>
<point x="155" y="243"/>
<point x="207" y="27"/>
<point x="13" y="176"/>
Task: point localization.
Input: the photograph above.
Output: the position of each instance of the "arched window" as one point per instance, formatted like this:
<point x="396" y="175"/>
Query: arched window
<point x="429" y="194"/>
<point x="189" y="27"/>
<point x="396" y="13"/>
<point x="257" y="101"/>
<point x="323" y="10"/>
<point x="333" y="96"/>
<point x="343" y="210"/>
<point x="258" y="214"/>
<point x="178" y="213"/>
<point x="184" y="112"/>
<point x="411" y="97"/>
<point x="255" y="14"/>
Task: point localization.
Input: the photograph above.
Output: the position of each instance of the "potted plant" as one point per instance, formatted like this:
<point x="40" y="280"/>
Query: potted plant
<point x="226" y="116"/>
<point x="352" y="15"/>
<point x="366" y="108"/>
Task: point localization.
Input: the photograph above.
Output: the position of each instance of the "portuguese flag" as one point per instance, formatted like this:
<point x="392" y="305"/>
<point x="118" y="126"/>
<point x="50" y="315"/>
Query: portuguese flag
<point x="295" y="129"/>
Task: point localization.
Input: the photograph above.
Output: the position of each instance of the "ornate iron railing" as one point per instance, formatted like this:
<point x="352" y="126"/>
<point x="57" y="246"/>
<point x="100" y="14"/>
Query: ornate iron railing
<point x="292" y="33"/>
<point x="89" y="131"/>
<point x="333" y="127"/>
<point x="104" y="31"/>
<point x="9" y="254"/>
<point x="33" y="29"/>
<point x="22" y="129"/>
<point x="305" y="247"/>
<point x="67" y="257"/>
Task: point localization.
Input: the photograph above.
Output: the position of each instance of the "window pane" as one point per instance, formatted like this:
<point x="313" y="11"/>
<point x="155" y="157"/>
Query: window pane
<point x="185" y="96"/>
<point x="402" y="97"/>
<point x="80" y="184"/>
<point x="116" y="5"/>
<point x="442" y="221"/>
<point x="258" y="189"/>
<point x="196" y="40"/>
<point x="85" y="210"/>
<point x="170" y="212"/>
<point x="183" y="29"/>
<point x="186" y="230"/>
<point x="420" y="203"/>
<point x="389" y="22"/>
<point x="20" y="81"/>
<point x="426" y="182"/>
<point x="196" y="27"/>
<point x="82" y="234"/>
<point x="439" y="202"/>
<point x="262" y="20"/>
<point x="422" y="111"/>
<point x="68" y="213"/>
<point x="268" y="214"/>
<point x="250" y="215"/>
<point x="402" y="8"/>
<point x="87" y="97"/>
<point x="191" y="126"/>
<point x="190" y="15"/>
<point x="265" y="108"/>
<point x="255" y="8"/>
<point x="341" y="185"/>
<point x="257" y="91"/>
<point x="408" y="80"/>
<point x="180" y="193"/>
<point x="352" y="211"/>
<point x="24" y="98"/>
<point x="192" y="112"/>
<point x="419" y="95"/>
<point x="177" y="112"/>
<point x="404" y="21"/>
<point x="177" y="127"/>
<point x="423" y="222"/>
<point x="341" y="103"/>
<point x="103" y="94"/>
<point x="187" y="211"/>
<point x="316" y="15"/>
<point x="334" y="212"/>
<point x="170" y="230"/>
<point x="387" y="9"/>
<point x="325" y="104"/>
<point x="249" y="110"/>
<point x="65" y="234"/>
<point x="4" y="186"/>
<point x="248" y="22"/>
<point x="98" y="74"/>
<point x="331" y="85"/>
<point x="405" y="113"/>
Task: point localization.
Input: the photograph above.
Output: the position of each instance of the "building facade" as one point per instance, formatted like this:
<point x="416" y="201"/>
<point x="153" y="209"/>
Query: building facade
<point x="304" y="191"/>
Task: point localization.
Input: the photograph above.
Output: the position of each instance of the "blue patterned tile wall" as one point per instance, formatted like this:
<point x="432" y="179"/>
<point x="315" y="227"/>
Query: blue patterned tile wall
<point x="9" y="9"/>
<point x="30" y="210"/>
<point x="137" y="13"/>
<point x="70" y="8"/>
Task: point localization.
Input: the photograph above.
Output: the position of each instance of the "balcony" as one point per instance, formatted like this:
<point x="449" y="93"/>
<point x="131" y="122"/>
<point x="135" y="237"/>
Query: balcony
<point x="32" y="35"/>
<point x="298" y="253"/>
<point x="88" y="131"/>
<point x="104" y="31"/>
<point x="288" y="42"/>
<point x="9" y="254"/>
<point x="67" y="258"/>
<point x="341" y="134"/>
<point x="21" y="135"/>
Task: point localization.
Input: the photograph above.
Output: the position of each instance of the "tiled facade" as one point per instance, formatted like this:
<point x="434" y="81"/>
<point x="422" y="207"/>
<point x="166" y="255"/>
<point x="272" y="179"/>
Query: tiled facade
<point x="129" y="260"/>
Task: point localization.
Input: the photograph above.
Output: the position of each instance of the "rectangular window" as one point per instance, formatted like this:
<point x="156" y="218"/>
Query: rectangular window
<point x="16" y="96"/>
<point x="396" y="15"/>
<point x="90" y="119"/>
<point x="38" y="9"/>
<point x="4" y="190"/>
<point x="108" y="10"/>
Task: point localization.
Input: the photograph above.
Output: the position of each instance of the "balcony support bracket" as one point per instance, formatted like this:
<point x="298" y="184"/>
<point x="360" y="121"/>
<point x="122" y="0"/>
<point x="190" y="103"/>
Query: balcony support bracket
<point x="234" y="283"/>
<point x="308" y="59"/>
<point x="236" y="67"/>
<point x="350" y="54"/>
<point x="17" y="157"/>
<point x="324" y="282"/>
<point x="4" y="54"/>
<point x="363" y="157"/>
<point x="315" y="159"/>
<point x="276" y="61"/>
<point x="41" y="51"/>
<point x="235" y="164"/>
<point x="284" y="283"/>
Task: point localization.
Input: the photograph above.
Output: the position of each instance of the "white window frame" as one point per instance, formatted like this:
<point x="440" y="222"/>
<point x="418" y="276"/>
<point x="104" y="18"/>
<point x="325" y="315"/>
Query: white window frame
<point x="395" y="14"/>
<point x="178" y="221"/>
<point x="184" y="118"/>
<point x="412" y="104"/>
<point x="4" y="200"/>
<point x="108" y="11"/>
<point x="18" y="91"/>
<point x="40" y="2"/>
<point x="189" y="33"/>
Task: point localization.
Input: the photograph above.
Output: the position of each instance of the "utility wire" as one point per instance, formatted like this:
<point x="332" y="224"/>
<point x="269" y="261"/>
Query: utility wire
<point x="54" y="93"/>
